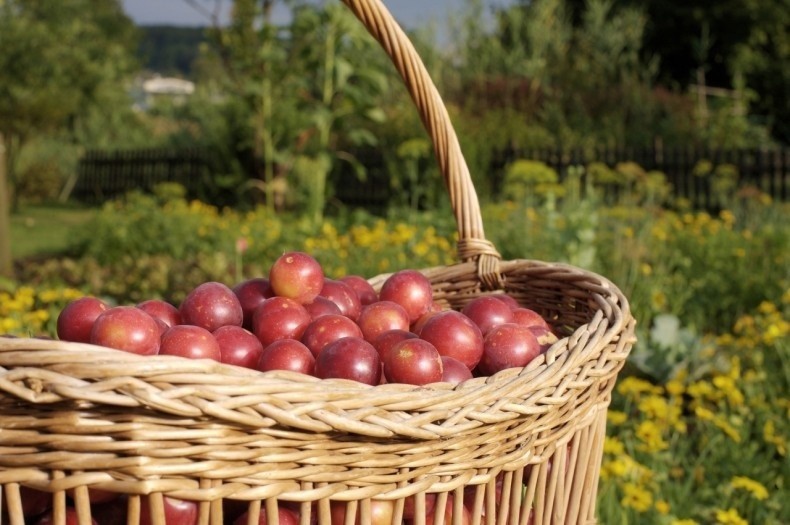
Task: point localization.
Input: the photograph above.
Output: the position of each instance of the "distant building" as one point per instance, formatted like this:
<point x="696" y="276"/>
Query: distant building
<point x="148" y="91"/>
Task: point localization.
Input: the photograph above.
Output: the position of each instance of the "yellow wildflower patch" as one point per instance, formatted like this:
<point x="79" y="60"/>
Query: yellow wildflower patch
<point x="634" y="387"/>
<point x="757" y="489"/>
<point x="616" y="417"/>
<point x="729" y="517"/>
<point x="650" y="435"/>
<point x="701" y="389"/>
<point x="770" y="436"/>
<point x="729" y="390"/>
<point x="636" y="497"/>
<point x="613" y="446"/>
<point x="731" y="432"/>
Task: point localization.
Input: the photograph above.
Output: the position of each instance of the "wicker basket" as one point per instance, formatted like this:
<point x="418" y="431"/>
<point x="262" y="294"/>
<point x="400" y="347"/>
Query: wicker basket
<point x="522" y="446"/>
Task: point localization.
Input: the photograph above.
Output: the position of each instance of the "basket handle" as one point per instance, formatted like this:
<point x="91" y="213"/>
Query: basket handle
<point x="472" y="244"/>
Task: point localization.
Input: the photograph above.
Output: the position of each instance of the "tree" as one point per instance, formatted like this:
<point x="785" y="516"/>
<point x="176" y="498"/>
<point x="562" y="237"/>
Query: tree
<point x="56" y="59"/>
<point x="341" y="86"/>
<point x="579" y="84"/>
<point x="739" y="44"/>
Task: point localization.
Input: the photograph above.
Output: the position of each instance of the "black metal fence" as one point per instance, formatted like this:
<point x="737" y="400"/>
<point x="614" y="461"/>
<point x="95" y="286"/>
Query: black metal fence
<point x="105" y="175"/>
<point x="765" y="169"/>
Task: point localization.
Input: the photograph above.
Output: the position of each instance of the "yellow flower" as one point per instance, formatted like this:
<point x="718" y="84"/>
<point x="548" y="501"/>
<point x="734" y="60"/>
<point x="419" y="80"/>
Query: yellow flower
<point x="727" y="217"/>
<point x="660" y="410"/>
<point x="725" y="340"/>
<point x="532" y="215"/>
<point x="735" y="368"/>
<point x="650" y="435"/>
<point x="613" y="446"/>
<point x="662" y="507"/>
<point x="766" y="308"/>
<point x="675" y="387"/>
<point x="421" y="248"/>
<point x="615" y="417"/>
<point x="615" y="468"/>
<point x="704" y="414"/>
<point x="49" y="296"/>
<point x="727" y="386"/>
<point x="633" y="387"/>
<point x="658" y="300"/>
<point x="636" y="497"/>
<point x="700" y="389"/>
<point x="744" y="324"/>
<point x="654" y="407"/>
<point x="659" y="233"/>
<point x="770" y="436"/>
<point x="727" y="428"/>
<point x="623" y="466"/>
<point x="9" y="325"/>
<point x="775" y="331"/>
<point x="756" y="488"/>
<point x="729" y="517"/>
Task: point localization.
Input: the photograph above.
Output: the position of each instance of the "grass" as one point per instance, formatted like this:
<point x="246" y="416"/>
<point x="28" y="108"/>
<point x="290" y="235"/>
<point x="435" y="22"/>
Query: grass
<point x="45" y="229"/>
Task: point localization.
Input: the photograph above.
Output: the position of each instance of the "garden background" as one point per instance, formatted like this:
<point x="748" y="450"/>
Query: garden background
<point x="288" y="116"/>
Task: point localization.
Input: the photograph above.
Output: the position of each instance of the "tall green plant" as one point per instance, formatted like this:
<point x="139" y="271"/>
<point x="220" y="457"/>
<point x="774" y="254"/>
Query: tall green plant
<point x="341" y="84"/>
<point x="239" y="73"/>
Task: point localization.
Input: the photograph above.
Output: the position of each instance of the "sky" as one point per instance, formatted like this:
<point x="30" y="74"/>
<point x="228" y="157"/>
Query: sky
<point x="410" y="13"/>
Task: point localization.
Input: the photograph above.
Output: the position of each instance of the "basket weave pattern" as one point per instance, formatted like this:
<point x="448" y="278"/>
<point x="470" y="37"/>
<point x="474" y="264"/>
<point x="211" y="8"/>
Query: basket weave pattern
<point x="74" y="416"/>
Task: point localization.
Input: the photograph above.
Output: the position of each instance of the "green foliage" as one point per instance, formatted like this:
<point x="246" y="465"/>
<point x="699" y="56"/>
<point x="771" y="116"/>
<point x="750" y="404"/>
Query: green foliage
<point x="584" y="85"/>
<point x="529" y="180"/>
<point x="56" y="58"/>
<point x="167" y="224"/>
<point x="59" y="63"/>
<point x="162" y="245"/>
<point x="736" y="44"/>
<point x="286" y="96"/>
<point x="408" y="188"/>
<point x="43" y="167"/>
<point x="584" y="73"/>
<point x="602" y="174"/>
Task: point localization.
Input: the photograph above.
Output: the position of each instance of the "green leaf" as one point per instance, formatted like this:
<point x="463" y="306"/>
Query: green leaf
<point x="376" y="115"/>
<point x="361" y="136"/>
<point x="359" y="169"/>
<point x="343" y="71"/>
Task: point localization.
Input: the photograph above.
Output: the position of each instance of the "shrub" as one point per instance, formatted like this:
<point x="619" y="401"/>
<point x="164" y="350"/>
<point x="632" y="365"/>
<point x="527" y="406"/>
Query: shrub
<point x="529" y="180"/>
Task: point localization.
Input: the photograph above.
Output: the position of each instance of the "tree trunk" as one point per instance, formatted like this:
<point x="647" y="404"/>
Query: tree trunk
<point x="6" y="267"/>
